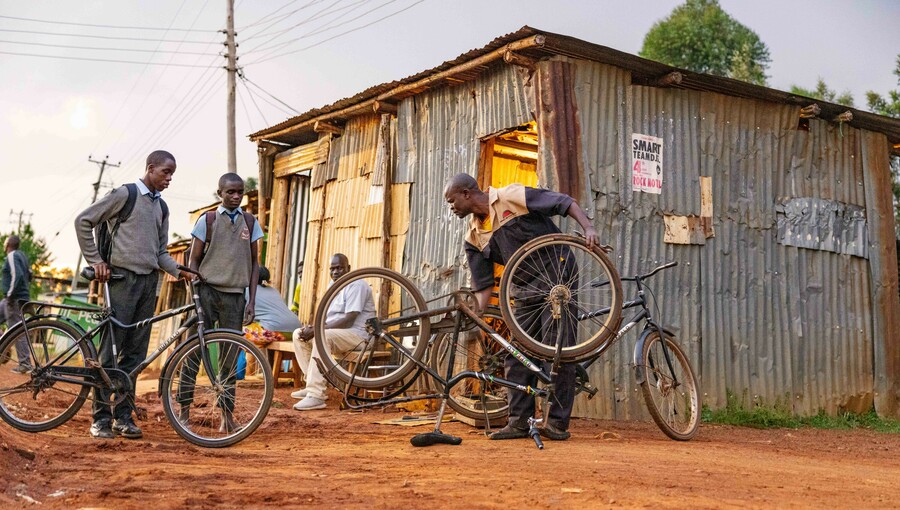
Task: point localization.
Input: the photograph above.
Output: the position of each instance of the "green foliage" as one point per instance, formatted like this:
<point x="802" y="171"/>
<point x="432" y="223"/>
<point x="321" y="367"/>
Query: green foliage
<point x="889" y="106"/>
<point x="758" y="415"/>
<point x="35" y="249"/>
<point x="250" y="184"/>
<point x="824" y="93"/>
<point x="701" y="37"/>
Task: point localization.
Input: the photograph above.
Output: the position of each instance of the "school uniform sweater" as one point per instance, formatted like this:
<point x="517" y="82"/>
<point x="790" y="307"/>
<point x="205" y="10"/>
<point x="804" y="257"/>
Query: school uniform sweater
<point x="228" y="263"/>
<point x="140" y="242"/>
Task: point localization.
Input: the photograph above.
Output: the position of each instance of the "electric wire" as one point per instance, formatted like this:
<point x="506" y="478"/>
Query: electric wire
<point x="33" y="20"/>
<point x="240" y="99"/>
<point x="270" y="95"/>
<point x="106" y="60"/>
<point x="276" y="11"/>
<point x="91" y="36"/>
<point x="98" y="48"/>
<point x="317" y="15"/>
<point x="335" y="36"/>
<point x="250" y="93"/>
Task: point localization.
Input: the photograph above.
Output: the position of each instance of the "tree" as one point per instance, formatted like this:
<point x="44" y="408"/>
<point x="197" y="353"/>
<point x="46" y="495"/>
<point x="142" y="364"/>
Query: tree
<point x="250" y="183"/>
<point x="35" y="249"/>
<point x="824" y="93"/>
<point x="889" y="106"/>
<point x="701" y="37"/>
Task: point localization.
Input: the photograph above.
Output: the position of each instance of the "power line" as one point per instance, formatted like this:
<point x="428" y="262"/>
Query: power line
<point x="106" y="26"/>
<point x="263" y="19"/>
<point x="102" y="49"/>
<point x="250" y="93"/>
<point x="246" y="111"/>
<point x="321" y="29"/>
<point x="101" y="36"/>
<point x="336" y="36"/>
<point x="86" y="59"/>
<point x="315" y="16"/>
<point x="268" y="94"/>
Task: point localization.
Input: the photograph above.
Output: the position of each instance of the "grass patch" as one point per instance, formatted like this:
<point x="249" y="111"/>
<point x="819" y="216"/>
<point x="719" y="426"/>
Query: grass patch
<point x="758" y="415"/>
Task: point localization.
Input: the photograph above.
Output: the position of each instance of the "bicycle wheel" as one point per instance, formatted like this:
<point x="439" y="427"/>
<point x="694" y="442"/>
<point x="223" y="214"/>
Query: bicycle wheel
<point x="222" y="408"/>
<point x="372" y="363"/>
<point x="556" y="286"/>
<point x="477" y="352"/>
<point x="669" y="387"/>
<point x="37" y="400"/>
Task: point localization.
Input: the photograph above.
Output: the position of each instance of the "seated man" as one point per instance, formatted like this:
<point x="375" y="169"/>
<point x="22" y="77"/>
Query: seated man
<point x="345" y="329"/>
<point x="271" y="311"/>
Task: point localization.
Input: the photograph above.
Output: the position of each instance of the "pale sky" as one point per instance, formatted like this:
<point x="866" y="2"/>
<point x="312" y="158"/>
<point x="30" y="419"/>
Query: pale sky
<point x="54" y="113"/>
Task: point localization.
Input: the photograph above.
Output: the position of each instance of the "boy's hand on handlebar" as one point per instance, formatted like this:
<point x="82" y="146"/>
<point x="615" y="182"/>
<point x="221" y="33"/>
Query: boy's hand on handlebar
<point x="590" y="235"/>
<point x="101" y="271"/>
<point x="184" y="275"/>
<point x="249" y="314"/>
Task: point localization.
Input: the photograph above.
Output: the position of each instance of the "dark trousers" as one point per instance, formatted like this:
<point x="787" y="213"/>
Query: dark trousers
<point x="133" y="299"/>
<point x="535" y="317"/>
<point x="221" y="310"/>
<point x="14" y="316"/>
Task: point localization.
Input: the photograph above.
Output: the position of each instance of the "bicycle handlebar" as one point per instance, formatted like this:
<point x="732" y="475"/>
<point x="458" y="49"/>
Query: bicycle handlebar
<point x="88" y="273"/>
<point x="652" y="272"/>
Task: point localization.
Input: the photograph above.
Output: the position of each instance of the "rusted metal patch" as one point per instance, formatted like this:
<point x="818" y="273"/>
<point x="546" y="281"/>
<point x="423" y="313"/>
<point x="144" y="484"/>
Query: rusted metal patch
<point x="687" y="229"/>
<point x="821" y="224"/>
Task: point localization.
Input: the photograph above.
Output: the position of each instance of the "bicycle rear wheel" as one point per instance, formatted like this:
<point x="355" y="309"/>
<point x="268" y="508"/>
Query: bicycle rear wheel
<point x="372" y="363"/>
<point x="669" y="387"/>
<point x="37" y="400"/>
<point x="478" y="352"/>
<point x="222" y="408"/>
<point x="556" y="281"/>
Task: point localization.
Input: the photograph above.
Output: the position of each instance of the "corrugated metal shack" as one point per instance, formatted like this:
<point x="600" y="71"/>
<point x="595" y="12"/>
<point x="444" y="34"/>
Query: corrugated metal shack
<point x="778" y="211"/>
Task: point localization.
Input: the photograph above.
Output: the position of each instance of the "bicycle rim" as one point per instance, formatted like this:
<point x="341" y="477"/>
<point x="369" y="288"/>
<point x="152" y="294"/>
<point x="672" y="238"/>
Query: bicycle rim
<point x="36" y="401"/>
<point x="555" y="283"/>
<point x="670" y="388"/>
<point x="372" y="362"/>
<point x="475" y="351"/>
<point x="222" y="408"/>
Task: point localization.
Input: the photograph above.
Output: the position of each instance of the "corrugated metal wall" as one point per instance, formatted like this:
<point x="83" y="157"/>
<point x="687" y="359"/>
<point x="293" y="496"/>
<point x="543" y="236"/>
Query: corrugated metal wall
<point x="439" y="136"/>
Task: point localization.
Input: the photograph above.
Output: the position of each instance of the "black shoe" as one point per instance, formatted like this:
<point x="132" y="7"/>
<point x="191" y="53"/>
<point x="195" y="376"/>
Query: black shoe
<point x="102" y="430"/>
<point x="509" y="432"/>
<point x="553" y="433"/>
<point x="184" y="414"/>
<point x="228" y="424"/>
<point x="127" y="429"/>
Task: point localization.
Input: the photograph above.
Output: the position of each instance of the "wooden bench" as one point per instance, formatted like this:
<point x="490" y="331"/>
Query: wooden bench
<point x="280" y="352"/>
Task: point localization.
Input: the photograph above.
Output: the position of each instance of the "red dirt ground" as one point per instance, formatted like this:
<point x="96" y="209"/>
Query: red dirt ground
<point x="342" y="459"/>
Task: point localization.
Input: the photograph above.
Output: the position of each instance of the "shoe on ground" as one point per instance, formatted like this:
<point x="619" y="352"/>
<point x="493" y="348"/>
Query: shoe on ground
<point x="21" y="369"/>
<point x="102" y="430"/>
<point x="300" y="393"/>
<point x="184" y="414"/>
<point x="310" y="403"/>
<point x="127" y="429"/>
<point x="228" y="424"/>
<point x="554" y="433"/>
<point x="509" y="432"/>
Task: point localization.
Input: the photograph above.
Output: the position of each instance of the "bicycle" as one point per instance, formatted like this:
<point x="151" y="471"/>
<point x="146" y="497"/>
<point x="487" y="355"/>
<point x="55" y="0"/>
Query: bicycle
<point x="220" y="382"/>
<point x="554" y="275"/>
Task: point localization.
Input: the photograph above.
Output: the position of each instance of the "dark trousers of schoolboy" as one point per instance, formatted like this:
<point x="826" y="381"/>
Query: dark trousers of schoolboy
<point x="133" y="299"/>
<point x="541" y="325"/>
<point x="220" y="310"/>
<point x="13" y="317"/>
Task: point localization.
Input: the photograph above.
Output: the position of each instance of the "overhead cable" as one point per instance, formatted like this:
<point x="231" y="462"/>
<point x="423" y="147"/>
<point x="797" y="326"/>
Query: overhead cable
<point x="33" y="20"/>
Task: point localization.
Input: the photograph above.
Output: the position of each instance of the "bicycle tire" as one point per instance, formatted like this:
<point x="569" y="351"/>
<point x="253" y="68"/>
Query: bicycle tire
<point x="34" y="402"/>
<point x="670" y="387"/>
<point x="185" y="383"/>
<point x="549" y="266"/>
<point x="395" y="296"/>
<point x="471" y="397"/>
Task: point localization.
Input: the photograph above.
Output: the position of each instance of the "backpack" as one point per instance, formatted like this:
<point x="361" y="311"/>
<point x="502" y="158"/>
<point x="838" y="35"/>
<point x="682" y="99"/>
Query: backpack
<point x="211" y="218"/>
<point x="103" y="235"/>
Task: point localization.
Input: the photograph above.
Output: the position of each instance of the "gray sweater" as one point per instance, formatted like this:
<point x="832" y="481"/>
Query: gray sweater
<point x="140" y="242"/>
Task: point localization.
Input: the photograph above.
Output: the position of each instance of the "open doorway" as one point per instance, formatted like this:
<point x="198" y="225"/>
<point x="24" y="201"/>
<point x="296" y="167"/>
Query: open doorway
<point x="509" y="157"/>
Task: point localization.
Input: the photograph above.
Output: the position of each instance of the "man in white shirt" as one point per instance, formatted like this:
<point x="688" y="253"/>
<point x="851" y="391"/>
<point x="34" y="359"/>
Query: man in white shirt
<point x="345" y="330"/>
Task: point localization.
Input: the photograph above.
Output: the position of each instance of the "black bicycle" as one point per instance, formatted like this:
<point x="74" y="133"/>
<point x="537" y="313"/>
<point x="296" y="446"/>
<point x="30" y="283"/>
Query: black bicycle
<point x="216" y="386"/>
<point x="560" y="300"/>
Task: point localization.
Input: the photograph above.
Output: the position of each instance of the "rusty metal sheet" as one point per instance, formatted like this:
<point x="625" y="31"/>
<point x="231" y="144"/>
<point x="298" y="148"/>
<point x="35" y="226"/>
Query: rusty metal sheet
<point x="821" y="224"/>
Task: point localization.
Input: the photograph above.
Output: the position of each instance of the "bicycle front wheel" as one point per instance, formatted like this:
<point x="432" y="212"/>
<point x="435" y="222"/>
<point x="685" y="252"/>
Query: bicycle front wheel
<point x="36" y="392"/>
<point x="555" y="288"/>
<point x="217" y="409"/>
<point x="366" y="359"/>
<point x="669" y="387"/>
<point x="474" y="398"/>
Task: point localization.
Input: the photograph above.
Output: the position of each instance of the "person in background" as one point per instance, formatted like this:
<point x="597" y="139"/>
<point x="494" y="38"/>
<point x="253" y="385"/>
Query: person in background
<point x="14" y="286"/>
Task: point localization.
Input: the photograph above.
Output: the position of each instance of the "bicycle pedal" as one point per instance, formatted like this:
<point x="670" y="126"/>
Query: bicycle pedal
<point x="141" y="413"/>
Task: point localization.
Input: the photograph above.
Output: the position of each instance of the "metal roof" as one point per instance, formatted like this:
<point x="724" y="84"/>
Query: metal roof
<point x="535" y="43"/>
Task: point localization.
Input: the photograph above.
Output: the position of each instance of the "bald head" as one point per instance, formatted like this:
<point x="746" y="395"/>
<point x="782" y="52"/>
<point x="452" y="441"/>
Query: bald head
<point x="460" y="182"/>
<point x="464" y="197"/>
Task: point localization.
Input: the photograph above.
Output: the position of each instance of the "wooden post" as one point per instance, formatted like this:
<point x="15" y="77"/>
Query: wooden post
<point x="387" y="171"/>
<point x="232" y="71"/>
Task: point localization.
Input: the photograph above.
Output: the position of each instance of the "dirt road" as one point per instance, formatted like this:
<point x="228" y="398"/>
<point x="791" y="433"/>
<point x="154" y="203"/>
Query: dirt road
<point x="338" y="459"/>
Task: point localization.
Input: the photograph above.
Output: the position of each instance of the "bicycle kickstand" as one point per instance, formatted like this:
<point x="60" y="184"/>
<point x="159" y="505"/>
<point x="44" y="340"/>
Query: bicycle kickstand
<point x="534" y="432"/>
<point x="430" y="438"/>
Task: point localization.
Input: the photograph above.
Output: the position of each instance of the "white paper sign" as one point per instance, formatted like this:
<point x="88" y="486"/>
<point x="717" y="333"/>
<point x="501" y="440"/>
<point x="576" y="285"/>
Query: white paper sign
<point x="646" y="163"/>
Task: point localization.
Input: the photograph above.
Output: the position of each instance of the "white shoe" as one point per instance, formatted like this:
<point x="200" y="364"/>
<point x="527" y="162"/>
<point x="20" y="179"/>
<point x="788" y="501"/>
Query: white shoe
<point x="310" y="403"/>
<point x="300" y="393"/>
<point x="296" y="335"/>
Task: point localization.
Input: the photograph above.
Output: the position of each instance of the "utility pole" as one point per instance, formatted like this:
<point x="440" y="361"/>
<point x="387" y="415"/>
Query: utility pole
<point x="103" y="164"/>
<point x="13" y="214"/>
<point x="232" y="71"/>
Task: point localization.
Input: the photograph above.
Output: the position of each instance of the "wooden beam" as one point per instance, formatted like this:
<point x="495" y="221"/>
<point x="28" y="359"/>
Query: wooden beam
<point x="844" y="117"/>
<point x="326" y="127"/>
<point x="382" y="107"/>
<point x="673" y="78"/>
<point x="520" y="60"/>
<point x="810" y="111"/>
<point x="516" y="145"/>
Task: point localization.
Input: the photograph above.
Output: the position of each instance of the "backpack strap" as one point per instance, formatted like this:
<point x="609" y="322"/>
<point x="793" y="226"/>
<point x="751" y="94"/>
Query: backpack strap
<point x="125" y="212"/>
<point x="249" y="219"/>
<point x="210" y="219"/>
